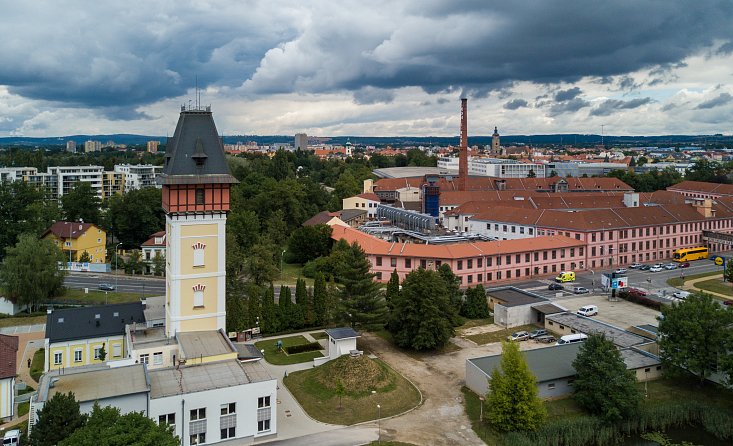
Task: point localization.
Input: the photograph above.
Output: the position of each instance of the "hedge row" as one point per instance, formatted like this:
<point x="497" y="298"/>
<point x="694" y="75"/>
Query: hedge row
<point x="300" y="348"/>
<point x="641" y="300"/>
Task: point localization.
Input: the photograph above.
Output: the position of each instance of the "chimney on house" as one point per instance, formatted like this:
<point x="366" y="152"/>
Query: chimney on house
<point x="463" y="152"/>
<point x="631" y="199"/>
<point x="704" y="207"/>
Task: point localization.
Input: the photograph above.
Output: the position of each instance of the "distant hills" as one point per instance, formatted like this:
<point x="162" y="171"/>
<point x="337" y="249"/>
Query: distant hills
<point x="583" y="139"/>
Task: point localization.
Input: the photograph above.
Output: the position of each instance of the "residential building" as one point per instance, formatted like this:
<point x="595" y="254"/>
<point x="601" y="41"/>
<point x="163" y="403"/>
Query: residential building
<point x="301" y="141"/>
<point x="8" y="371"/>
<point x="504" y="168"/>
<point x="113" y="183"/>
<point x="78" y="337"/>
<point x="152" y="146"/>
<point x="77" y="238"/>
<point x="16" y="173"/>
<point x="152" y="247"/>
<point x="553" y="368"/>
<point x="62" y="179"/>
<point x="71" y="146"/>
<point x="137" y="176"/>
<point x="365" y="201"/>
<point x="92" y="146"/>
<point x="699" y="189"/>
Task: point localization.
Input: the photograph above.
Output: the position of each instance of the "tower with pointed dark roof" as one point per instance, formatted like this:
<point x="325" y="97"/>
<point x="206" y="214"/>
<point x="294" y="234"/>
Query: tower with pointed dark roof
<point x="495" y="141"/>
<point x="196" y="184"/>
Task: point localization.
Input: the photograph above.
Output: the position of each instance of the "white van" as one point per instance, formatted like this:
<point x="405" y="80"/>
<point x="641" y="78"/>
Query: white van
<point x="572" y="339"/>
<point x="588" y="310"/>
<point x="12" y="438"/>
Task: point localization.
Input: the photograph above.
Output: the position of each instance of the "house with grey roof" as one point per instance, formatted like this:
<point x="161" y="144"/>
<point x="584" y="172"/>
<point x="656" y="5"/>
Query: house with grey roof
<point x="553" y="368"/>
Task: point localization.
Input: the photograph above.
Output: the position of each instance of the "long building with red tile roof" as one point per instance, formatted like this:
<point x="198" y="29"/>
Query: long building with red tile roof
<point x="700" y="189"/>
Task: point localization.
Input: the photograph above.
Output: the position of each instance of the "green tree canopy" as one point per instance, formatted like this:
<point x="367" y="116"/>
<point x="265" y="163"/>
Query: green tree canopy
<point x="603" y="385"/>
<point x="107" y="427"/>
<point x="475" y="305"/>
<point x="455" y="296"/>
<point x="421" y="315"/>
<point x="694" y="335"/>
<point x="393" y="290"/>
<point x="81" y="203"/>
<point x="24" y="205"/>
<point x="259" y="264"/>
<point x="57" y="420"/>
<point x="30" y="271"/>
<point x="361" y="298"/>
<point x="134" y="216"/>
<point x="320" y="300"/>
<point x="309" y="242"/>
<point x="512" y="401"/>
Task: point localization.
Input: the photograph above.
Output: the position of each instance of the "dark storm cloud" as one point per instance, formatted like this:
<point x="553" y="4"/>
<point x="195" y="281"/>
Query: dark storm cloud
<point x="128" y="54"/>
<point x="570" y="106"/>
<point x="609" y="106"/>
<point x="370" y="95"/>
<point x="721" y="99"/>
<point x="566" y="95"/>
<point x="515" y="104"/>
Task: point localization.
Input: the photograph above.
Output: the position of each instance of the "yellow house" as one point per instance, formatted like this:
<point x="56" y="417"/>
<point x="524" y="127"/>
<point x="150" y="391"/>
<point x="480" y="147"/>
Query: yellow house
<point x="89" y="335"/>
<point x="79" y="238"/>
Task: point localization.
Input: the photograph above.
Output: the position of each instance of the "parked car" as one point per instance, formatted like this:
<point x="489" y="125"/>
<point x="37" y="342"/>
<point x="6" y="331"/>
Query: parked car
<point x="621" y="271"/>
<point x="658" y="265"/>
<point x="681" y="294"/>
<point x="644" y="267"/>
<point x="555" y="286"/>
<point x="670" y="266"/>
<point x="581" y="290"/>
<point x="636" y="292"/>
<point x="106" y="287"/>
<point x="684" y="265"/>
<point x="635" y="265"/>
<point x="655" y="269"/>
<point x="588" y="310"/>
<point x="537" y="333"/>
<point x="728" y="302"/>
<point x="518" y="336"/>
<point x="547" y="339"/>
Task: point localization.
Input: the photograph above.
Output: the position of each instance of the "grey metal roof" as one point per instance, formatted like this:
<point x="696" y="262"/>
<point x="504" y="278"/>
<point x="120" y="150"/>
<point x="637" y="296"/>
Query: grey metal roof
<point x="208" y="376"/>
<point x="586" y="325"/>
<point x="92" y="322"/>
<point x="247" y="351"/>
<point x="547" y="364"/>
<point x="513" y="297"/>
<point x="96" y="384"/>
<point x="548" y="308"/>
<point x="342" y="333"/>
<point x="195" y="153"/>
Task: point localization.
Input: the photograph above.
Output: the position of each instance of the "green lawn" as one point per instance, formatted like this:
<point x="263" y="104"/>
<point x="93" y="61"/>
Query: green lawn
<point x="498" y="336"/>
<point x="716" y="286"/>
<point x="273" y="356"/>
<point x="97" y="297"/>
<point x="23" y="408"/>
<point x="28" y="389"/>
<point x="677" y="281"/>
<point x="37" y="364"/>
<point x="290" y="274"/>
<point x="393" y="393"/>
<point x="470" y="323"/>
<point x="387" y="336"/>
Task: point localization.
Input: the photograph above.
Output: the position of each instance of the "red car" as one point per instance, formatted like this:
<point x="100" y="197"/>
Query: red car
<point x="684" y="265"/>
<point x="636" y="291"/>
<point x="728" y="302"/>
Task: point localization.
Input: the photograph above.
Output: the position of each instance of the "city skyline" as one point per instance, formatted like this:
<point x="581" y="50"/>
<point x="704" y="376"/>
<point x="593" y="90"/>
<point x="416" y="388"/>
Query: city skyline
<point x="383" y="69"/>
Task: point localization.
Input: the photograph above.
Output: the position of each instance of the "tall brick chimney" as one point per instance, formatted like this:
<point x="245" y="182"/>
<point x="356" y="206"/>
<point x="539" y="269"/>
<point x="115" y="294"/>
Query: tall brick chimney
<point x="463" y="153"/>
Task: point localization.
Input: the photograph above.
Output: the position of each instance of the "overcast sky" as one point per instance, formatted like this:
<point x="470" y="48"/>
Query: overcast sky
<point x="380" y="68"/>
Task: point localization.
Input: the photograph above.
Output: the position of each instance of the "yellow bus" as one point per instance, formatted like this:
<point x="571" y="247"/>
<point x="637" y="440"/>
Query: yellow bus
<point x="688" y="254"/>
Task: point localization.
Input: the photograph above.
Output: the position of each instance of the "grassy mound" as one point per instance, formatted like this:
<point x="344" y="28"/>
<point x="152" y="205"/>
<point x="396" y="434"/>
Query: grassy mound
<point x="359" y="375"/>
<point x="315" y="390"/>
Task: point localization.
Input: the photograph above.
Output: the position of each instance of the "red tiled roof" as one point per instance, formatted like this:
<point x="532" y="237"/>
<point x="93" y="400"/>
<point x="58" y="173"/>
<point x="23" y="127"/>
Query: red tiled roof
<point x="62" y="229"/>
<point x="151" y="240"/>
<point x="509" y="184"/>
<point x="369" y="196"/>
<point x="8" y="350"/>
<point x="376" y="246"/>
<point x="701" y="186"/>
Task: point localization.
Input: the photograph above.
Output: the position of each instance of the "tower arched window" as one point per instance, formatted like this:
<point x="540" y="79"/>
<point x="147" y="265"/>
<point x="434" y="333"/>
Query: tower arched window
<point x="198" y="254"/>
<point x="198" y="295"/>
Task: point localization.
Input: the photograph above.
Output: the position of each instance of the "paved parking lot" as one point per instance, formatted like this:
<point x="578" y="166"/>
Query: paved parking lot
<point x="622" y="314"/>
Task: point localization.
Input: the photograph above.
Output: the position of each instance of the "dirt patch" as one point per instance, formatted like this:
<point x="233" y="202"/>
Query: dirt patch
<point x="441" y="419"/>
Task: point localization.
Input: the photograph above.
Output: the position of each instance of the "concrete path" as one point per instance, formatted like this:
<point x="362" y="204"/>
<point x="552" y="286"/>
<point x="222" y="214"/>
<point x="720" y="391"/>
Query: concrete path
<point x="17" y="329"/>
<point x="345" y="436"/>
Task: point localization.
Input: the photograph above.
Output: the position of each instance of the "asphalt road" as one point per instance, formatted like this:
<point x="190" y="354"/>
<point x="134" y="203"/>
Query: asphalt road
<point x="147" y="285"/>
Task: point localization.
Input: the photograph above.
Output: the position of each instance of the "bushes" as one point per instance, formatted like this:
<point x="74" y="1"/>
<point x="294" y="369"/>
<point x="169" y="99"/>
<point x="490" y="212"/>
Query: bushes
<point x="587" y="430"/>
<point x="641" y="300"/>
<point x="301" y="348"/>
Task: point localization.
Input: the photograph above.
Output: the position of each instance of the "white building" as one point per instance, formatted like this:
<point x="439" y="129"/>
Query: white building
<point x="494" y="167"/>
<point x="62" y="179"/>
<point x="71" y="146"/>
<point x="16" y="173"/>
<point x="301" y="141"/>
<point x="138" y="176"/>
<point x="449" y="163"/>
<point x="92" y="146"/>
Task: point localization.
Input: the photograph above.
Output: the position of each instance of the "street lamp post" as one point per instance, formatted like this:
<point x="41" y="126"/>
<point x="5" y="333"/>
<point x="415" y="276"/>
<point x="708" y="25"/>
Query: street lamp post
<point x="116" y="272"/>
<point x="379" y="425"/>
<point x="481" y="413"/>
<point x="281" y="264"/>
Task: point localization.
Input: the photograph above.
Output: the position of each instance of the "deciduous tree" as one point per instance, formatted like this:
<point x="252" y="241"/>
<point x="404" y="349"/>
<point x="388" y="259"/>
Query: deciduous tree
<point x="603" y="385"/>
<point x="694" y="335"/>
<point x="512" y="402"/>
<point x="134" y="216"/>
<point x="24" y="205"/>
<point x="475" y="305"/>
<point x="81" y="203"/>
<point x="421" y="313"/>
<point x="30" y="271"/>
<point x="309" y="242"/>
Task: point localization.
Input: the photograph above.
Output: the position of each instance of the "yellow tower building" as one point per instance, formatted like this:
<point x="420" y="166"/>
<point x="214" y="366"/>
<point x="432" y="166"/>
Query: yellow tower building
<point x="196" y="181"/>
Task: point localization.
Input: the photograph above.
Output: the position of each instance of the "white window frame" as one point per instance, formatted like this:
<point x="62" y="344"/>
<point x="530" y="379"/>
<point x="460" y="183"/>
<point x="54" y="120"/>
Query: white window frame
<point x="158" y="358"/>
<point x="198" y="257"/>
<point x="78" y="354"/>
<point x="145" y="358"/>
<point x="97" y="353"/>
<point x="198" y="299"/>
<point x="58" y="358"/>
<point x="116" y="350"/>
